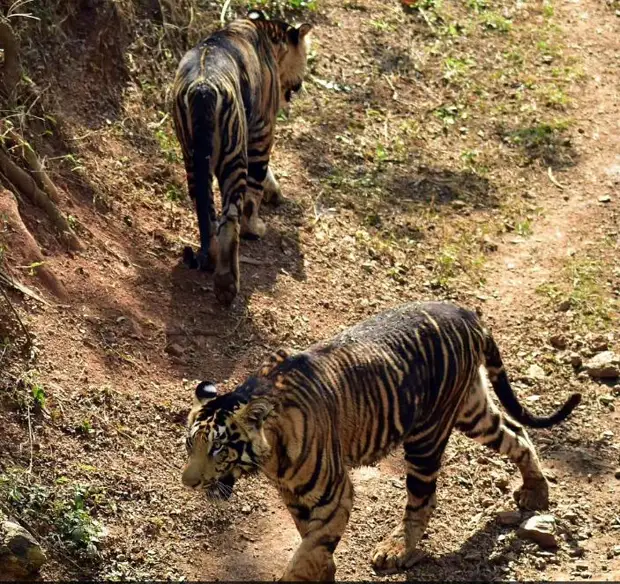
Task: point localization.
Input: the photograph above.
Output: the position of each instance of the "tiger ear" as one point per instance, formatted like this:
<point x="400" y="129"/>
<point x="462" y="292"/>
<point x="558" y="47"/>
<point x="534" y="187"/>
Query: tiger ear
<point x="296" y="35"/>
<point x="205" y="391"/>
<point x="257" y="15"/>
<point x="255" y="413"/>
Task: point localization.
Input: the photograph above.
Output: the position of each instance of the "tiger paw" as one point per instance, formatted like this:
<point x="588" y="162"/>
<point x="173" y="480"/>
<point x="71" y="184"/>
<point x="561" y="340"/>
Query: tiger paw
<point x="391" y="555"/>
<point x="198" y="261"/>
<point x="533" y="495"/>
<point x="226" y="287"/>
<point x="272" y="194"/>
<point x="254" y="229"/>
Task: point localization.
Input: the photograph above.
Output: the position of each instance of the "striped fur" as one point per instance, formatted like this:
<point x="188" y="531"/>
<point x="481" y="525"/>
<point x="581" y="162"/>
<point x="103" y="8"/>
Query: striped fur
<point x="227" y="93"/>
<point x="405" y="377"/>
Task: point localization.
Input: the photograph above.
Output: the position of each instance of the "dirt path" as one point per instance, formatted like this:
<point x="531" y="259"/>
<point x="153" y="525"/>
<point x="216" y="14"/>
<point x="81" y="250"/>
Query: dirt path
<point x="405" y="180"/>
<point x="572" y="220"/>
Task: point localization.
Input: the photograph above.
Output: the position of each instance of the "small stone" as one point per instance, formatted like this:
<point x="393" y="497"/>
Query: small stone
<point x="617" y="473"/>
<point x="604" y="199"/>
<point x="502" y="483"/>
<point x="575" y="360"/>
<point x="20" y="553"/>
<point x="246" y="509"/>
<point x="174" y="349"/>
<point x="581" y="566"/>
<point x="605" y="365"/>
<point x="571" y="516"/>
<point x="599" y="343"/>
<point x="576" y="552"/>
<point x="606" y="399"/>
<point x="535" y="372"/>
<point x="616" y="550"/>
<point x="509" y="517"/>
<point x="540" y="529"/>
<point x="564" y="305"/>
<point x="559" y="342"/>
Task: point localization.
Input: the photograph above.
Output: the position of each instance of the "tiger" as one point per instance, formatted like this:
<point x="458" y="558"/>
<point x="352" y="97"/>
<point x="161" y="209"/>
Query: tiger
<point x="407" y="376"/>
<point x="227" y="92"/>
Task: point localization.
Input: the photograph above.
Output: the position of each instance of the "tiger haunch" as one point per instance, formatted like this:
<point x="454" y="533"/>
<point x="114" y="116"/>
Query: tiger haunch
<point x="405" y="377"/>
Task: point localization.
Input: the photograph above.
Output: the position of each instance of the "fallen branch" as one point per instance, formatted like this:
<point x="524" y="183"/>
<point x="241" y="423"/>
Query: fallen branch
<point x="27" y="186"/>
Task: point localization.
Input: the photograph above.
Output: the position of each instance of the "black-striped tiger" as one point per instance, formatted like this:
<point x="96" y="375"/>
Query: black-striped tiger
<point x="227" y="92"/>
<point x="405" y="377"/>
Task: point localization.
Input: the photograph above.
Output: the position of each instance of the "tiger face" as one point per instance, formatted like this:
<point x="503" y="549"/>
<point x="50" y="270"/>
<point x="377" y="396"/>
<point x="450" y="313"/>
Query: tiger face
<point x="291" y="46"/>
<point x="224" y="440"/>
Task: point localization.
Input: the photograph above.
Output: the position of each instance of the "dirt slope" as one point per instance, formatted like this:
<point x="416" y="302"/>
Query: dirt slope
<point x="415" y="166"/>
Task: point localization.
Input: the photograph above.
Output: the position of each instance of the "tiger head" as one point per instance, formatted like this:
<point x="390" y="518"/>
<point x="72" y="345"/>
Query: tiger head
<point x="291" y="44"/>
<point x="225" y="437"/>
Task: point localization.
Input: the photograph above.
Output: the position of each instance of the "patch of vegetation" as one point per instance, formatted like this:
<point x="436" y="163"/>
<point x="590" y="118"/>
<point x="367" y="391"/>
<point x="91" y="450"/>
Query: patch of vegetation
<point x="63" y="510"/>
<point x="582" y="284"/>
<point x="545" y="141"/>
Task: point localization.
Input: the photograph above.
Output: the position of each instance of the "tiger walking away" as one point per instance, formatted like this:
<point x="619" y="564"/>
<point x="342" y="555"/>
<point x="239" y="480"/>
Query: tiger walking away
<point x="406" y="378"/>
<point x="227" y="93"/>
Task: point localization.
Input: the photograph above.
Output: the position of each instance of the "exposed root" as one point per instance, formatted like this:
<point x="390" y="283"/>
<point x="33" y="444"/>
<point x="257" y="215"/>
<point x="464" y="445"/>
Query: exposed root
<point x="27" y="186"/>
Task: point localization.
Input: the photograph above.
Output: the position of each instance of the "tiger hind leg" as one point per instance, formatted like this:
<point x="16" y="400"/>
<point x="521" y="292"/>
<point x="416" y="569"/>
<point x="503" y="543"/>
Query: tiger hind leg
<point x="272" y="194"/>
<point x="482" y="421"/>
<point x="399" y="550"/>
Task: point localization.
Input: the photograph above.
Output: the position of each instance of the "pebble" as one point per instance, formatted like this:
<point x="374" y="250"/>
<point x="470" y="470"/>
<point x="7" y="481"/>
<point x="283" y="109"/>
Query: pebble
<point x="564" y="305"/>
<point x="558" y="341"/>
<point x="581" y="566"/>
<point x="576" y="552"/>
<point x="246" y="509"/>
<point x="535" y="372"/>
<point x="509" y="517"/>
<point x="540" y="529"/>
<point x="605" y="365"/>
<point x="576" y="360"/>
<point x="174" y="349"/>
<point x="617" y="473"/>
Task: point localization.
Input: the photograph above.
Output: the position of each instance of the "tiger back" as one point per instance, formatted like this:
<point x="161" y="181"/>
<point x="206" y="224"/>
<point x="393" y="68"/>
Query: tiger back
<point x="227" y="92"/>
<point x="406" y="377"/>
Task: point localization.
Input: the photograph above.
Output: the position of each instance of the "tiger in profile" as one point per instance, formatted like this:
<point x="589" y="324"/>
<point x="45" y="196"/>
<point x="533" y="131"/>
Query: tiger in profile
<point x="405" y="377"/>
<point x="227" y="93"/>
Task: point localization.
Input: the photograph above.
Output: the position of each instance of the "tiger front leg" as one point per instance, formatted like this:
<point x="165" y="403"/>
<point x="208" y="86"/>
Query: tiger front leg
<point x="399" y="551"/>
<point x="226" y="277"/>
<point x="321" y="528"/>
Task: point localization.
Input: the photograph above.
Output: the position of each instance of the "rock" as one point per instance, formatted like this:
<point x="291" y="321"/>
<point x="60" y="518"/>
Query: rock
<point x="535" y="372"/>
<point x="540" y="529"/>
<point x="174" y="349"/>
<point x="246" y="509"/>
<point x="509" y="517"/>
<point x="606" y="399"/>
<point x="617" y="473"/>
<point x="581" y="566"/>
<point x="575" y="360"/>
<point x="576" y="552"/>
<point x="20" y="553"/>
<point x="564" y="305"/>
<point x="604" y="199"/>
<point x="598" y="343"/>
<point x="558" y="341"/>
<point x="605" y="365"/>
